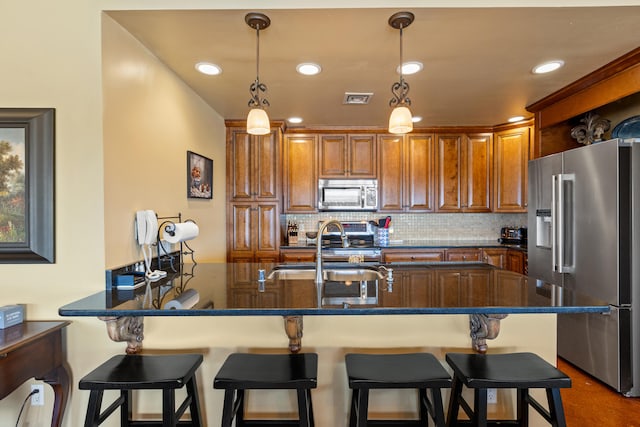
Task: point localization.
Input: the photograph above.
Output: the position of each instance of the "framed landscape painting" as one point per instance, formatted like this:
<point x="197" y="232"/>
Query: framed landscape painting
<point x="199" y="176"/>
<point x="27" y="185"/>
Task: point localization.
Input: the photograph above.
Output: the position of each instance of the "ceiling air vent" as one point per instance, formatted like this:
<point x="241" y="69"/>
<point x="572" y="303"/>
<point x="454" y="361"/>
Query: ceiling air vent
<point x="354" y="98"/>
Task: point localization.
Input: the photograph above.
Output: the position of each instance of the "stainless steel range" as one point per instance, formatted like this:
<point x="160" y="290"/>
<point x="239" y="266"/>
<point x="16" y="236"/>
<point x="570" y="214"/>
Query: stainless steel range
<point x="361" y="243"/>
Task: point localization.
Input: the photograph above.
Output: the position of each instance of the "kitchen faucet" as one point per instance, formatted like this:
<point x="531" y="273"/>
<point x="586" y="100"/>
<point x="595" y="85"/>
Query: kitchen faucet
<point x="321" y="228"/>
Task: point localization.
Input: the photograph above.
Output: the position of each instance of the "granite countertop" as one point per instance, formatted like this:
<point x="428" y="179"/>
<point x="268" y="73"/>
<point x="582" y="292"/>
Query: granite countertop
<point x="234" y="290"/>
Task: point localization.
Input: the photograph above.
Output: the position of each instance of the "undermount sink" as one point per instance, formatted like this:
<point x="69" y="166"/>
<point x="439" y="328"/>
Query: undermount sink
<point x="348" y="285"/>
<point x="338" y="274"/>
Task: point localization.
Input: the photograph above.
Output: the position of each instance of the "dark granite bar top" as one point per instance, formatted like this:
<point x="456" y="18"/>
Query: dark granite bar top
<point x="417" y="288"/>
<point x="428" y="244"/>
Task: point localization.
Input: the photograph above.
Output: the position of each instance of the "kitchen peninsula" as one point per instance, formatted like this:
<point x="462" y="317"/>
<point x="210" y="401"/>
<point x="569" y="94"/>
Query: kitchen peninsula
<point x="244" y="289"/>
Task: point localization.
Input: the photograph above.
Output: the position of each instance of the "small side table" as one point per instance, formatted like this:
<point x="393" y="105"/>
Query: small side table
<point x="35" y="349"/>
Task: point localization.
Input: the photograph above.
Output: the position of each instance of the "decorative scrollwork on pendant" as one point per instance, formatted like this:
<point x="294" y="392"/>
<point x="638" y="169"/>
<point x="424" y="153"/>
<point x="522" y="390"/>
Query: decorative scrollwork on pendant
<point x="400" y="90"/>
<point x="255" y="89"/>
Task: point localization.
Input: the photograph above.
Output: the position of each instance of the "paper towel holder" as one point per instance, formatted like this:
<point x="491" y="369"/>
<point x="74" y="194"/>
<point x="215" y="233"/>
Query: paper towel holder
<point x="185" y="249"/>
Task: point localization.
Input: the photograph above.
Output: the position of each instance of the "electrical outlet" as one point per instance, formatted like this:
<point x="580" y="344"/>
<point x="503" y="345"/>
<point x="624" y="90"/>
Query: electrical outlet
<point x="38" y="398"/>
<point x="492" y="395"/>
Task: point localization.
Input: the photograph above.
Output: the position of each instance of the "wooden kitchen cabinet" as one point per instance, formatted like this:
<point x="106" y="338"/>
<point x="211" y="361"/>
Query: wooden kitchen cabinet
<point x="347" y="156"/>
<point x="409" y="289"/>
<point x="515" y="261"/>
<point x="418" y="288"/>
<point x="463" y="254"/>
<point x="510" y="161"/>
<point x="253" y="194"/>
<point x="406" y="173"/>
<point x="243" y="292"/>
<point x="297" y="255"/>
<point x="495" y="256"/>
<point x="510" y="286"/>
<point x="463" y="172"/>
<point x="253" y="232"/>
<point x="408" y="255"/>
<point x="253" y="165"/>
<point x="454" y="288"/>
<point x="300" y="176"/>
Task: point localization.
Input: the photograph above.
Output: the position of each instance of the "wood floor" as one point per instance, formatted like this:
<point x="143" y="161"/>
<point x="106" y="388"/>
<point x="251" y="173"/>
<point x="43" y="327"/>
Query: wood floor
<point x="589" y="403"/>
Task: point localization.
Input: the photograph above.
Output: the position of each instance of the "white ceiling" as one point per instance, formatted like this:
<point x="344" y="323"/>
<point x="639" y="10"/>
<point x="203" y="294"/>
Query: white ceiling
<point x="477" y="62"/>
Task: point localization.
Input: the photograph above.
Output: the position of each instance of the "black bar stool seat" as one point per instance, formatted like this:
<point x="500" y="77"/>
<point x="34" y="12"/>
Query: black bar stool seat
<point x="245" y="371"/>
<point x="420" y="371"/>
<point x="144" y="372"/>
<point x="521" y="371"/>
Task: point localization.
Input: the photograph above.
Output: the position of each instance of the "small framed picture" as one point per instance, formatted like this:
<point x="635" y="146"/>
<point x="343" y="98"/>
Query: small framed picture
<point x="199" y="176"/>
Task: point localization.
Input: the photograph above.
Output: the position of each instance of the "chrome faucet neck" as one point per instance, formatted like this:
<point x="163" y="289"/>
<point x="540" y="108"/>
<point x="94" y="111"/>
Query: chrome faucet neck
<point x="321" y="228"/>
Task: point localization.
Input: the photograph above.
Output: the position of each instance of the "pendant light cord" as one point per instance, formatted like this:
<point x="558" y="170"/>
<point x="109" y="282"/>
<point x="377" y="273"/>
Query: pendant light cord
<point x="401" y="73"/>
<point x="258" y="53"/>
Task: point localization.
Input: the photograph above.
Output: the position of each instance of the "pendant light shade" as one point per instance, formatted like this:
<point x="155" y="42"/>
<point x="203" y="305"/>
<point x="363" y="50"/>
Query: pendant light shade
<point x="400" y="120"/>
<point x="258" y="119"/>
<point x="258" y="122"/>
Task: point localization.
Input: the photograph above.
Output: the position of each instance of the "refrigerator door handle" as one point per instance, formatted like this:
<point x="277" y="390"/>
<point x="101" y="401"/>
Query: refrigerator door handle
<point x="554" y="223"/>
<point x="560" y="223"/>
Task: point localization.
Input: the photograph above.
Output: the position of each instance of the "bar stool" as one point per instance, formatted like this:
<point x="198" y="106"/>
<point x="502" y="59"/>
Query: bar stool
<point x="521" y="371"/>
<point x="244" y="371"/>
<point x="420" y="371"/>
<point x="144" y="372"/>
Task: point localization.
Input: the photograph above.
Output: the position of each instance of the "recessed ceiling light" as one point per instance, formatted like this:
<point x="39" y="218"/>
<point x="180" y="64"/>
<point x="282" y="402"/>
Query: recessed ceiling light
<point x="547" y="67"/>
<point x="411" y="67"/>
<point x="515" y="119"/>
<point x="208" y="68"/>
<point x="416" y="119"/>
<point x="294" y="120"/>
<point x="308" y="68"/>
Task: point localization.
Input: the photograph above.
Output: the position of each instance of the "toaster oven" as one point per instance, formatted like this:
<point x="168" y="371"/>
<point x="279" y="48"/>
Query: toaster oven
<point x="514" y="235"/>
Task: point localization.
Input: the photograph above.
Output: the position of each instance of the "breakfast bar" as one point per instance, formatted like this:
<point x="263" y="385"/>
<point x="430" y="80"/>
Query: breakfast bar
<point x="485" y="293"/>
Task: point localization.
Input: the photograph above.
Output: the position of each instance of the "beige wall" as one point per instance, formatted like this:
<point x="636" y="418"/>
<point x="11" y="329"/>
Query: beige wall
<point x="52" y="58"/>
<point x="151" y="119"/>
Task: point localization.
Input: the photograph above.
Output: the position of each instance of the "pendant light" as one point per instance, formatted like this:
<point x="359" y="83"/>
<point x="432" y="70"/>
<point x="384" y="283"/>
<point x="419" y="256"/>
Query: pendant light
<point x="257" y="120"/>
<point x="400" y="119"/>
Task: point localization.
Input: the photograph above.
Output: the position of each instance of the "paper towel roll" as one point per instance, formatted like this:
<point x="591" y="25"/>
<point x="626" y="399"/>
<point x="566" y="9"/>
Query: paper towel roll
<point x="176" y="233"/>
<point x="185" y="300"/>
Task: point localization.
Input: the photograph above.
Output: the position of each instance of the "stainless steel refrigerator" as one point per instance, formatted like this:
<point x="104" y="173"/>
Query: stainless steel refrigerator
<point x="584" y="234"/>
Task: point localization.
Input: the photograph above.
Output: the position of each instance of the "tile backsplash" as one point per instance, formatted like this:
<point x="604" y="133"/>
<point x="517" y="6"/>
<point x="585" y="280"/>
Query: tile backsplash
<point x="455" y="226"/>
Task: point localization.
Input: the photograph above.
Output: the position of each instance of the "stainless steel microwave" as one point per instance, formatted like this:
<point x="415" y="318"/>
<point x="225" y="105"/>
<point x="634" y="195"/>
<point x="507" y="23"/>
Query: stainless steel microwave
<point x="348" y="194"/>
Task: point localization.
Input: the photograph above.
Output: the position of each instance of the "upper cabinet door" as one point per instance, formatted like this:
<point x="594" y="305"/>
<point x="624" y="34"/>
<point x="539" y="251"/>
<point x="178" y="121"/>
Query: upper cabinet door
<point x="362" y="155"/>
<point x="266" y="180"/>
<point x="391" y="176"/>
<point x="301" y="181"/>
<point x="347" y="156"/>
<point x="463" y="165"/>
<point x="252" y="164"/>
<point x="420" y="176"/>
<point x="511" y="157"/>
<point x="476" y="185"/>
<point x="239" y="164"/>
<point x="333" y="156"/>
<point x="449" y="149"/>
